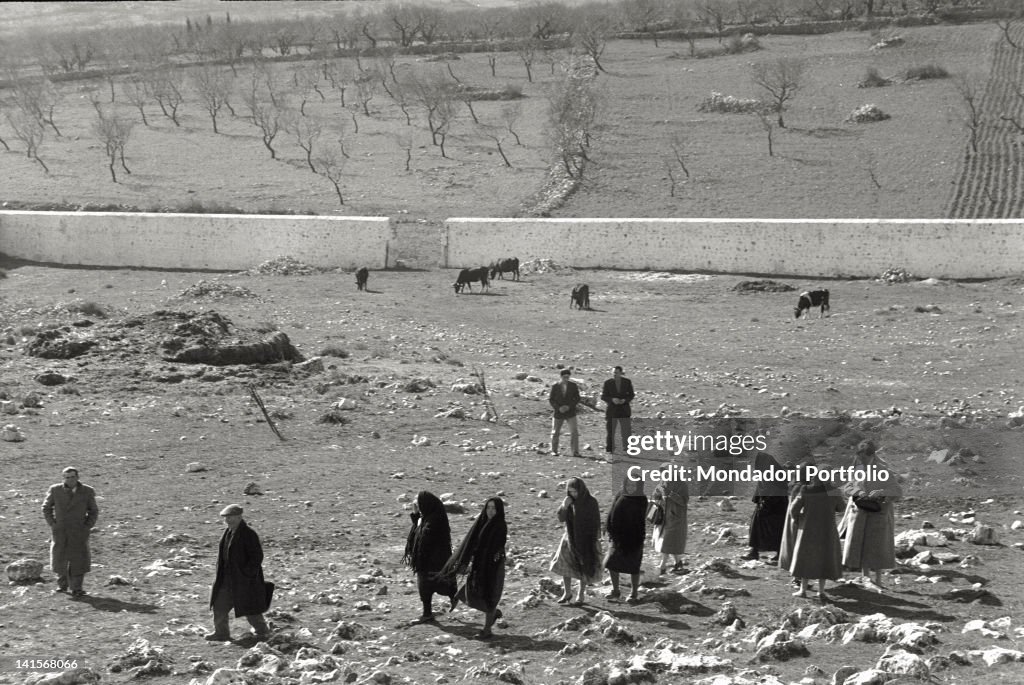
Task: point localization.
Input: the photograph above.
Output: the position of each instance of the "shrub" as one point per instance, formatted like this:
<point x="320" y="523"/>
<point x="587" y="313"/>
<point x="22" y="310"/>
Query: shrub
<point x="88" y="308"/>
<point x="266" y="327"/>
<point x="925" y="71"/>
<point x="334" y="351"/>
<point x="866" y="114"/>
<point x="738" y="44"/>
<point x="732" y="105"/>
<point x="872" y="79"/>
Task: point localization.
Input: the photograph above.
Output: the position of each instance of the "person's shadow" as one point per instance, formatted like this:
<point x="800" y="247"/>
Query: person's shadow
<point x="114" y="605"/>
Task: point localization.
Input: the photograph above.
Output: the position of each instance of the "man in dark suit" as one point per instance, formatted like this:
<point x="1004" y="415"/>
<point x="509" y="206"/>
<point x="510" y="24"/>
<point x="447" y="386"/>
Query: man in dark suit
<point x="617" y="393"/>
<point x="564" y="397"/>
<point x="239" y="584"/>
<point x="71" y="512"/>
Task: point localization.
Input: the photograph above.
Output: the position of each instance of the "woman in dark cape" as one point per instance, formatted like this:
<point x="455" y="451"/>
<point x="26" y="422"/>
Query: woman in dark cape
<point x="627" y="529"/>
<point x="482" y="556"/>
<point x="771" y="501"/>
<point x="427" y="548"/>
<point x="579" y="550"/>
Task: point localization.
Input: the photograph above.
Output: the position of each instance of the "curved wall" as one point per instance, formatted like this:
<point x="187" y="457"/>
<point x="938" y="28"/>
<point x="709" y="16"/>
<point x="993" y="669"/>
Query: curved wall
<point x="784" y="247"/>
<point x="193" y="241"/>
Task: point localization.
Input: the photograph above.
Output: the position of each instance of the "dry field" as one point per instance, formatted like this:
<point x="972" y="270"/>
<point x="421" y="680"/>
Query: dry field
<point x="911" y="165"/>
<point x="332" y="513"/>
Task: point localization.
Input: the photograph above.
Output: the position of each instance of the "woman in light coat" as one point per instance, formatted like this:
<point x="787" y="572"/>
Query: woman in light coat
<point x="670" y="535"/>
<point x="870" y="525"/>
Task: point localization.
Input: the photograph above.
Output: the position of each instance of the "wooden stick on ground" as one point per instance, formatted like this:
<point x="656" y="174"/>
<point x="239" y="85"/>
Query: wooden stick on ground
<point x="259" y="403"/>
<point x="488" y="402"/>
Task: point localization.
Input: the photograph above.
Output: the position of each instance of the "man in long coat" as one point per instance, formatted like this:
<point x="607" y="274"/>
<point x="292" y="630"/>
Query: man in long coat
<point x="564" y="398"/>
<point x="239" y="584"/>
<point x="617" y="393"/>
<point x="70" y="510"/>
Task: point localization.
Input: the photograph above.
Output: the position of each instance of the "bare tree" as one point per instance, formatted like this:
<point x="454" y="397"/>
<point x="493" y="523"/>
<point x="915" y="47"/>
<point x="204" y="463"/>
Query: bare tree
<point x="510" y="114"/>
<point x="214" y="89"/>
<point x="527" y="51"/>
<point x="970" y="94"/>
<point x="676" y="159"/>
<point x="496" y="134"/>
<point x="29" y="130"/>
<point x="403" y="19"/>
<point x="591" y="37"/>
<point x="136" y="89"/>
<point x="267" y="118"/>
<point x="768" y="127"/>
<point x="168" y="91"/>
<point x="366" y="88"/>
<point x="307" y="81"/>
<point x="572" y="109"/>
<point x="644" y="16"/>
<point x="37" y="98"/>
<point x="713" y="13"/>
<point x="435" y="95"/>
<point x="114" y="131"/>
<point x="404" y="140"/>
<point x="781" y="79"/>
<point x="331" y="163"/>
<point x="306" y="131"/>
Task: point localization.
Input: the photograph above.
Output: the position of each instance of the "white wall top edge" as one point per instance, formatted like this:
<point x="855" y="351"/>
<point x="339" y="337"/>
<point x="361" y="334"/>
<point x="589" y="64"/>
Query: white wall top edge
<point x="259" y="217"/>
<point x="717" y="220"/>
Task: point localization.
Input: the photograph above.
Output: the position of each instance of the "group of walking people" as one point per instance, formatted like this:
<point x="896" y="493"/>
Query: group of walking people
<point x="799" y="527"/>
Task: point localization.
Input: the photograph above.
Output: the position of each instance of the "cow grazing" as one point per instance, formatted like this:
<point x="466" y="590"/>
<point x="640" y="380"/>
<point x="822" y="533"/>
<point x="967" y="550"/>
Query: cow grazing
<point x="469" y="276"/>
<point x="499" y="268"/>
<point x="812" y="298"/>
<point x="580" y="297"/>
<point x="362" y="276"/>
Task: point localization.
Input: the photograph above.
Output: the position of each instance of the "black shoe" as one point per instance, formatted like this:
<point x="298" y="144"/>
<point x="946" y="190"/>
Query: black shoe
<point x="59" y="589"/>
<point x="214" y="637"/>
<point x="752" y="555"/>
<point x="484" y="635"/>
<point x="498" y="614"/>
<point x="78" y="593"/>
<point x="454" y="599"/>
<point x="423" y="619"/>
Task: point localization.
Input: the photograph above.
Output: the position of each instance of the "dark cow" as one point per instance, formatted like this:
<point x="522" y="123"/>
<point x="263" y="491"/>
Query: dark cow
<point x="499" y="268"/>
<point x="469" y="276"/>
<point x="580" y="297"/>
<point x="362" y="276"/>
<point x="812" y="298"/>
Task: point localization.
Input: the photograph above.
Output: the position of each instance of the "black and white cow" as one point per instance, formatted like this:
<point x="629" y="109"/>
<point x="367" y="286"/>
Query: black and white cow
<point x="812" y="298"/>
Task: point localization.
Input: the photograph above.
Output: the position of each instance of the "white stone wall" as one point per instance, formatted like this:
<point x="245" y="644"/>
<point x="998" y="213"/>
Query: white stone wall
<point x="783" y="247"/>
<point x="194" y="241"/>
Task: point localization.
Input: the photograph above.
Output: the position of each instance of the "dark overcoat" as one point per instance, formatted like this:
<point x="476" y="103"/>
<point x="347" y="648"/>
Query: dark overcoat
<point x="71" y="516"/>
<point x="243" y="571"/>
<point x="558" y="398"/>
<point x="624" y="392"/>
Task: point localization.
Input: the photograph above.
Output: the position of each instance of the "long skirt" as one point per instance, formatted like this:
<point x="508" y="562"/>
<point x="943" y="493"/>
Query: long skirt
<point x="767" y="523"/>
<point x="869" y="541"/>
<point x="562" y="564"/>
<point x="670" y="536"/>
<point x="624" y="560"/>
<point x="486" y="602"/>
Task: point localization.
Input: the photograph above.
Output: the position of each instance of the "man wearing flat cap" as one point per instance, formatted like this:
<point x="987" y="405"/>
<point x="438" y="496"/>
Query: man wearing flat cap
<point x="71" y="512"/>
<point x="239" y="584"/>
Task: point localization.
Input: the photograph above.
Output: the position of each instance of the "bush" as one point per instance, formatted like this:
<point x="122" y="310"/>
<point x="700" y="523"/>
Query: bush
<point x="872" y="79"/>
<point x="88" y="308"/>
<point x="732" y="105"/>
<point x="738" y="44"/>
<point x="266" y="327"/>
<point x="334" y="351"/>
<point x="924" y="72"/>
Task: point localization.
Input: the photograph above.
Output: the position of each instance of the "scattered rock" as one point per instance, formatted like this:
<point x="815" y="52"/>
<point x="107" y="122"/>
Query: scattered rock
<point x="11" y="433"/>
<point x="194" y="467"/>
<point x="24" y="570"/>
<point x="983" y="535"/>
<point x="51" y="378"/>
<point x="252" y="488"/>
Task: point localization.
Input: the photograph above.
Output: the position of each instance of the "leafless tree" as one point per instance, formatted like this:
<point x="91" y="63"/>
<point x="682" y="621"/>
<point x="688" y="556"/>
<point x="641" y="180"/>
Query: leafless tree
<point x="214" y="89"/>
<point x="307" y="81"/>
<point x="403" y="97"/>
<point x="307" y="131"/>
<point x="136" y="89"/>
<point x="527" y="51"/>
<point x="768" y="127"/>
<point x="970" y="94"/>
<point x="591" y="37"/>
<point x="644" y="16"/>
<point x="267" y="118"/>
<point x="168" y="91"/>
<point x="404" y="139"/>
<point x="572" y="110"/>
<point x="675" y="161"/>
<point x="29" y="130"/>
<point x="434" y="94"/>
<point x="114" y="132"/>
<point x="331" y="163"/>
<point x="714" y="14"/>
<point x="366" y="88"/>
<point x="781" y="79"/>
<point x="404" y="21"/>
<point x="496" y="134"/>
<point x="37" y="98"/>
<point x="510" y="114"/>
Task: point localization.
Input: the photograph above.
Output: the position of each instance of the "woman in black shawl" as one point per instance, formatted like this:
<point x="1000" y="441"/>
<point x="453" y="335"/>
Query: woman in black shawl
<point x="579" y="550"/>
<point x="427" y="548"/>
<point x="482" y="556"/>
<point x="627" y="529"/>
<point x="771" y="500"/>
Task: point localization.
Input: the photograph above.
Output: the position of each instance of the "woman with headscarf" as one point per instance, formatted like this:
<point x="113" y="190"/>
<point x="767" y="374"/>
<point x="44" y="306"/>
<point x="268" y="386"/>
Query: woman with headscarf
<point x="673" y="496"/>
<point x="481" y="557"/>
<point x="811" y="520"/>
<point x="771" y="501"/>
<point x="427" y="547"/>
<point x="869" y="519"/>
<point x="627" y="530"/>
<point x="579" y="550"/>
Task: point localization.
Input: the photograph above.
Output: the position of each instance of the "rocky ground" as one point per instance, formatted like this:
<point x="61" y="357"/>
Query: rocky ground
<point x="144" y="381"/>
